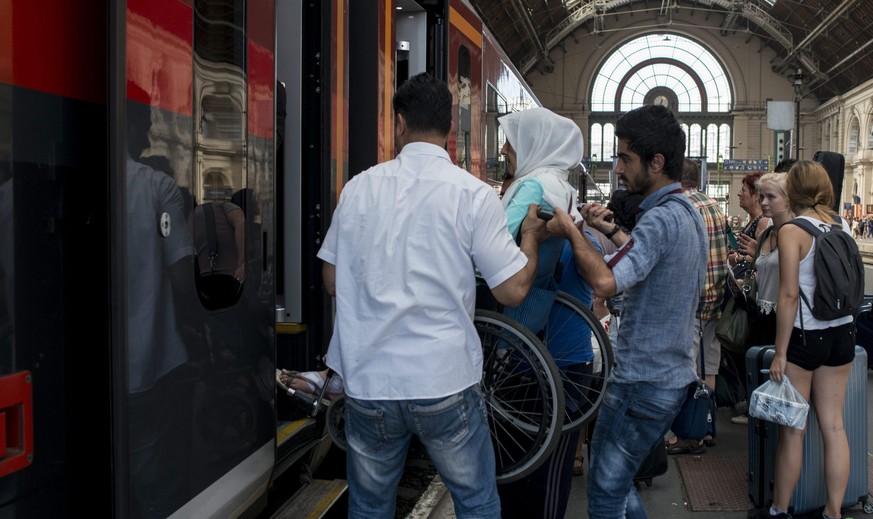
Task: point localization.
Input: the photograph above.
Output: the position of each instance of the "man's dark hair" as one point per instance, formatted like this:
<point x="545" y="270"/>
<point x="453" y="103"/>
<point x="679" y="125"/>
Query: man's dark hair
<point x="653" y="129"/>
<point x="690" y="174"/>
<point x="784" y="165"/>
<point x="426" y="103"/>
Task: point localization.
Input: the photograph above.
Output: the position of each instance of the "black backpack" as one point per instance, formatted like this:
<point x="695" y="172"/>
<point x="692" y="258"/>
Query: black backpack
<point x="839" y="271"/>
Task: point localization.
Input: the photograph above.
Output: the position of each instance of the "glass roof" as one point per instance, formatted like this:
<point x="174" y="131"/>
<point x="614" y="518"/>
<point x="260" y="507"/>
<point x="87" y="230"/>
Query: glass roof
<point x="669" y="61"/>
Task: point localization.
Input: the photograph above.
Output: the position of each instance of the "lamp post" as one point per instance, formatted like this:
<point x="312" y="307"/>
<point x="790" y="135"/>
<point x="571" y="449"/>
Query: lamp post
<point x="798" y="82"/>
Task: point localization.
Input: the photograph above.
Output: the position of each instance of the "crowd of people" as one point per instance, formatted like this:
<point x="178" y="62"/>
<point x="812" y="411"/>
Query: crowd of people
<point x="862" y="228"/>
<point x="411" y="236"/>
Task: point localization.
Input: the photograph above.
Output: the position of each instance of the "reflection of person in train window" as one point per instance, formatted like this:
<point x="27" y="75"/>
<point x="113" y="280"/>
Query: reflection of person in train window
<point x="230" y="235"/>
<point x="159" y="299"/>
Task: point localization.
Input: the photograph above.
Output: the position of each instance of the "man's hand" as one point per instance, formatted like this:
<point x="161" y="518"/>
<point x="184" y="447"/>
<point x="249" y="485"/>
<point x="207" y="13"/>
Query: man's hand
<point x="597" y="216"/>
<point x="562" y="224"/>
<point x="533" y="225"/>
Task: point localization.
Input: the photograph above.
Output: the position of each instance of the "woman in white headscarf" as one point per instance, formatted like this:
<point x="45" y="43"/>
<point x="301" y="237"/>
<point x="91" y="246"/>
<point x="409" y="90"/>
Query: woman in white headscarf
<point x="541" y="148"/>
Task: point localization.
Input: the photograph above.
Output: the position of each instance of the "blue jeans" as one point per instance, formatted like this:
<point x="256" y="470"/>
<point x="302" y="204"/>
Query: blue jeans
<point x="454" y="430"/>
<point x="631" y="421"/>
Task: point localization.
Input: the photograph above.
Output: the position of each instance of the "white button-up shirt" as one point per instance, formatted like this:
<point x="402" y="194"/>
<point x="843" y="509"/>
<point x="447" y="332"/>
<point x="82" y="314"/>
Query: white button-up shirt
<point x="406" y="239"/>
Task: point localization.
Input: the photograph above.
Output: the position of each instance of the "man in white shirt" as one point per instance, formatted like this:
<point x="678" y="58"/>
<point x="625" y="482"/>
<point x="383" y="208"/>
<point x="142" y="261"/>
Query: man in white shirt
<point x="401" y="256"/>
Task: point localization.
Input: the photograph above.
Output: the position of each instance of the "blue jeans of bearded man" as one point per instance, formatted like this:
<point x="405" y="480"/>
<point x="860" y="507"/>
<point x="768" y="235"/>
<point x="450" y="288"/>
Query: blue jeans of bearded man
<point x="631" y="421"/>
<point x="454" y="430"/>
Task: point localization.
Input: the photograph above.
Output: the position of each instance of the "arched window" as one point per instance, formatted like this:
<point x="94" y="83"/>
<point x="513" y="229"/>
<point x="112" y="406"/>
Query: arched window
<point x="853" y="137"/>
<point x="595" y="147"/>
<point x="670" y="70"/>
<point x="608" y="141"/>
<point x="673" y="62"/>
<point x="870" y="133"/>
<point x="712" y="140"/>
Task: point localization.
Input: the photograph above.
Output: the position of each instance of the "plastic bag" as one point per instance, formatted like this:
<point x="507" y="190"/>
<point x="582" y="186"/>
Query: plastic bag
<point x="779" y="403"/>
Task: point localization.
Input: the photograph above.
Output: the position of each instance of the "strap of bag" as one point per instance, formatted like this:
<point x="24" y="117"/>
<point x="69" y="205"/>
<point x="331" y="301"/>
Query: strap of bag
<point x="702" y="364"/>
<point x="753" y="266"/>
<point x="211" y="239"/>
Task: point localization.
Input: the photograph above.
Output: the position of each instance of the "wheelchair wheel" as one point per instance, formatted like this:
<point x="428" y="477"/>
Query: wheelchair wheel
<point x="523" y="394"/>
<point x="571" y="325"/>
<point x="336" y="422"/>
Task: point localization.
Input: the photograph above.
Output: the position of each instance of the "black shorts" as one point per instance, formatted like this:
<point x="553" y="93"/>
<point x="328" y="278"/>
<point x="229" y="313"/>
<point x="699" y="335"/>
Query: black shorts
<point x="828" y="347"/>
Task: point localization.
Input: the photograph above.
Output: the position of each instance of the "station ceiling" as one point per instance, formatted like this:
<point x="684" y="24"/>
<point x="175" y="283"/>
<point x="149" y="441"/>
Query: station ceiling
<point x="830" y="41"/>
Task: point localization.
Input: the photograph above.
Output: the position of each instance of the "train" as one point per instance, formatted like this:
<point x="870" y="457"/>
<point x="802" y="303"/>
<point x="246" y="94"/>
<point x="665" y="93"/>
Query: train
<point x="168" y="169"/>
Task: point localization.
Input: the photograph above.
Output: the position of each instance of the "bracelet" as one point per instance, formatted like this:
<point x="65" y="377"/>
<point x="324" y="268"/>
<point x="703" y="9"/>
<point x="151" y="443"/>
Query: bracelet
<point x="611" y="233"/>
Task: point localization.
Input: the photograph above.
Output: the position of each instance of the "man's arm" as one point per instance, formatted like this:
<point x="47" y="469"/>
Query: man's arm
<point x="589" y="262"/>
<point x="328" y="277"/>
<point x="533" y="231"/>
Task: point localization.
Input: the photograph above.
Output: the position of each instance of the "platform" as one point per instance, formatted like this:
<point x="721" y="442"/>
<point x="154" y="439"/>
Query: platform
<point x="714" y="493"/>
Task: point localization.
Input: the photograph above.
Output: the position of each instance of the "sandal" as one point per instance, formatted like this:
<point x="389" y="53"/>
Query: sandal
<point x="578" y="466"/>
<point x="686" y="447"/>
<point x="709" y="442"/>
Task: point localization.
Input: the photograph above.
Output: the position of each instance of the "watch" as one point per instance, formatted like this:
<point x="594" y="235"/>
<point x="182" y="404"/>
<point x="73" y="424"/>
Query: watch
<point x="612" y="233"/>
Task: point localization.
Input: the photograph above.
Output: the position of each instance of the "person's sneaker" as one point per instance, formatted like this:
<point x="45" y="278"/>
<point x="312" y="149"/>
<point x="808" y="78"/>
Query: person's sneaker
<point x="740" y="419"/>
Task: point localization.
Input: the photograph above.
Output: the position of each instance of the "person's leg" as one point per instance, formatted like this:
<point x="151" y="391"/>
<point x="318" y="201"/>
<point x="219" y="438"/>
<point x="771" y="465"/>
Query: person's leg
<point x="454" y="430"/>
<point x="632" y="419"/>
<point x="579" y="461"/>
<point x="712" y="361"/>
<point x="789" y="451"/>
<point x="378" y="440"/>
<point x="829" y="395"/>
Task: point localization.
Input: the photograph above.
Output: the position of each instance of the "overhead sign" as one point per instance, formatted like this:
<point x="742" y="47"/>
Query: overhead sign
<point x="747" y="165"/>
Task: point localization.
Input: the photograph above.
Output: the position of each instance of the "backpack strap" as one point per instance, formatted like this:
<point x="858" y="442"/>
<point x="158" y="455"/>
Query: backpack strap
<point x="815" y="231"/>
<point x="211" y="239"/>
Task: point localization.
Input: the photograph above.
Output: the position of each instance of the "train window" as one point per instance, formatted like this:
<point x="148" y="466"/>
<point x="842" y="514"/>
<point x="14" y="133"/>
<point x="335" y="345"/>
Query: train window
<point x="495" y="106"/>
<point x="220" y="150"/>
<point x="464" y="104"/>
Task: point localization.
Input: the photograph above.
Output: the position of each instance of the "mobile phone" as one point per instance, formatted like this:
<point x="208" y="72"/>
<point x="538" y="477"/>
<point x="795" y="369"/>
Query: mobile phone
<point x="544" y="214"/>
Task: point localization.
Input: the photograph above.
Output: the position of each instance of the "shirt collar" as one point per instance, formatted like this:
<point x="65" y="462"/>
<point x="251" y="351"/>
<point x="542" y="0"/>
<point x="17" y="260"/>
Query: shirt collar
<point x="424" y="148"/>
<point x="653" y="198"/>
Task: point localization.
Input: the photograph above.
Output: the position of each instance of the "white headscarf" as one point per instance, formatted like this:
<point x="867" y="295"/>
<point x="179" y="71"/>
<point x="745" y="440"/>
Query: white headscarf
<point x="546" y="145"/>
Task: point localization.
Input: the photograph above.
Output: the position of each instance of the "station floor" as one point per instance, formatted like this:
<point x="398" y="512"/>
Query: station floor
<point x="720" y="471"/>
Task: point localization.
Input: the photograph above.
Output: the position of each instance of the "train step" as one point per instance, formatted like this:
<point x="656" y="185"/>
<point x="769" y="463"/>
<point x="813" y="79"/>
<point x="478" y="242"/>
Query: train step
<point x="313" y="501"/>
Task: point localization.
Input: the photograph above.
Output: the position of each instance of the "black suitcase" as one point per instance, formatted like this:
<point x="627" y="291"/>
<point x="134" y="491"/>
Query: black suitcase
<point x="809" y="494"/>
<point x="864" y="329"/>
<point x="835" y="164"/>
<point x="653" y="466"/>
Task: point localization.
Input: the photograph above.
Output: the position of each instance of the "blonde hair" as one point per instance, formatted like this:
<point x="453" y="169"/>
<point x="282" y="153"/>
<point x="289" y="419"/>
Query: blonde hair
<point x="809" y="186"/>
<point x="776" y="180"/>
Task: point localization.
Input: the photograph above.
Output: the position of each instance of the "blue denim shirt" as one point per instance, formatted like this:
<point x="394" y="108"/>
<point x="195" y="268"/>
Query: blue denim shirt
<point x="661" y="271"/>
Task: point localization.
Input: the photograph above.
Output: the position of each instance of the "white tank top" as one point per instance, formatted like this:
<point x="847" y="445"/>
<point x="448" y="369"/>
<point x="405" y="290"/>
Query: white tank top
<point x="807" y="285"/>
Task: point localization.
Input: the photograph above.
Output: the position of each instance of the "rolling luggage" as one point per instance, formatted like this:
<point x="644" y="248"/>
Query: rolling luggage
<point x="809" y="494"/>
<point x="864" y="329"/>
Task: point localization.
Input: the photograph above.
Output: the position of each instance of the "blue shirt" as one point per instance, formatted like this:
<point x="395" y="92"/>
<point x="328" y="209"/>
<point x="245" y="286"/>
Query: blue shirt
<point x="661" y="271"/>
<point x="571" y="344"/>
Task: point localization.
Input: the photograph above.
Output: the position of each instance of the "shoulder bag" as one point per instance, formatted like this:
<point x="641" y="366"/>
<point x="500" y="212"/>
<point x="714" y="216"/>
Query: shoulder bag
<point x="696" y="416"/>
<point x="733" y="328"/>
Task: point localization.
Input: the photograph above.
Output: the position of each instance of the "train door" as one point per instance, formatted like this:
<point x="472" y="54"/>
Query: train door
<point x="194" y="353"/>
